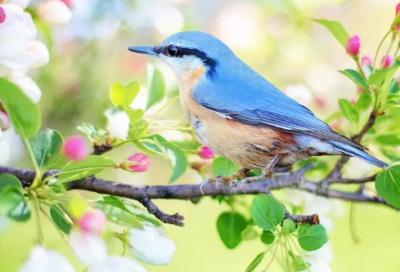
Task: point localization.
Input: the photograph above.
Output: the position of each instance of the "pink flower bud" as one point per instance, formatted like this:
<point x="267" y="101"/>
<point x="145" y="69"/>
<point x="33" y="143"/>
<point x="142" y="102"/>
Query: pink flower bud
<point x="353" y="46"/>
<point x="141" y="162"/>
<point x="68" y="3"/>
<point x="4" y="121"/>
<point x="320" y="101"/>
<point x="75" y="148"/>
<point x="397" y="8"/>
<point x="386" y="61"/>
<point x="366" y="61"/>
<point x="205" y="152"/>
<point x="93" y="221"/>
<point x="2" y="15"/>
<point x="352" y="101"/>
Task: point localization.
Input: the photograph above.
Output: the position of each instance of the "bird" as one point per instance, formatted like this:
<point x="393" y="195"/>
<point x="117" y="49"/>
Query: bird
<point x="239" y="114"/>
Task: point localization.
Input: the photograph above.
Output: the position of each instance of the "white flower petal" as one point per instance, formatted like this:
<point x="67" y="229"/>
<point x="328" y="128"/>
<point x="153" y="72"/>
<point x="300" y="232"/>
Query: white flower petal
<point x="22" y="3"/>
<point x="118" y="264"/>
<point x="40" y="53"/>
<point x="151" y="245"/>
<point x="118" y="124"/>
<point x="54" y="12"/>
<point x="4" y="152"/>
<point x="42" y="260"/>
<point x="89" y="248"/>
<point x="28" y="86"/>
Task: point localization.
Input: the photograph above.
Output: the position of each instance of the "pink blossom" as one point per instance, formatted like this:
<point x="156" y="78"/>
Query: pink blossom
<point x="353" y="46"/>
<point x="205" y="152"/>
<point x="75" y="148"/>
<point x="2" y="15"/>
<point x="366" y="61"/>
<point x="141" y="162"/>
<point x="397" y="8"/>
<point x="93" y="221"/>
<point x="386" y="61"/>
<point x="352" y="101"/>
<point x="69" y="3"/>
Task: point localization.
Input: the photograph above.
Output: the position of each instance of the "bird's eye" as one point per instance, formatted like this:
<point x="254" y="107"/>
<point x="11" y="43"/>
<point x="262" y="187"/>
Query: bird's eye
<point x="172" y="51"/>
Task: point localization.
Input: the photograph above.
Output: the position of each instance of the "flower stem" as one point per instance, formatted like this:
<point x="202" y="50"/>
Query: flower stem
<point x="36" y="205"/>
<point x="379" y="47"/>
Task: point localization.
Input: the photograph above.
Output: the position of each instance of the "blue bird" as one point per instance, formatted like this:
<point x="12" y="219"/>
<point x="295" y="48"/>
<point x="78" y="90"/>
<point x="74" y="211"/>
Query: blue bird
<point x="239" y="114"/>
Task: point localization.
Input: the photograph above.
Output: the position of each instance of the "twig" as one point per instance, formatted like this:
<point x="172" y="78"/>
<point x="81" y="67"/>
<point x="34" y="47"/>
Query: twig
<point x="101" y="149"/>
<point x="304" y="219"/>
<point x="175" y="219"/>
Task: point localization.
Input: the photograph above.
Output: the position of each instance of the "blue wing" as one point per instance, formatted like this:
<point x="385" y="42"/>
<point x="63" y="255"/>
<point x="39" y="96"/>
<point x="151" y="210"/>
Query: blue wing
<point x="249" y="98"/>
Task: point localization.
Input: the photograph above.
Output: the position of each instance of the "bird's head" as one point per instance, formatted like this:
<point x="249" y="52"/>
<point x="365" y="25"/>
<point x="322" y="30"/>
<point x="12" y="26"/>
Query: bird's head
<point x="186" y="52"/>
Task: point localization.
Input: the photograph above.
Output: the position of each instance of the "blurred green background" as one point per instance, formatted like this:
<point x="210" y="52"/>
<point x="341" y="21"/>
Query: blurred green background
<point x="277" y="39"/>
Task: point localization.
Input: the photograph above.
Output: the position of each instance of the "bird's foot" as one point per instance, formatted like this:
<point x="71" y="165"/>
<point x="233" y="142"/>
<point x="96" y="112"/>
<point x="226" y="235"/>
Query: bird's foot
<point x="216" y="180"/>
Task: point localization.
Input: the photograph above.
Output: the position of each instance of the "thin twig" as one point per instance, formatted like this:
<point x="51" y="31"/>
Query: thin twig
<point x="175" y="219"/>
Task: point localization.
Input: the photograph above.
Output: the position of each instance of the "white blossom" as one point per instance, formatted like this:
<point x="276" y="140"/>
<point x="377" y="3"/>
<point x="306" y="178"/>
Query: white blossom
<point x="22" y="3"/>
<point x="39" y="52"/>
<point x="42" y="260"/>
<point x="91" y="250"/>
<point x="151" y="245"/>
<point x="54" y="12"/>
<point x="319" y="259"/>
<point x="117" y="124"/>
<point x="17" y="32"/>
<point x="4" y="149"/>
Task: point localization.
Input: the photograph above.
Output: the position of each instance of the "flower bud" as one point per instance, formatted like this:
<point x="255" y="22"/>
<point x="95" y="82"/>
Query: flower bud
<point x="353" y="46"/>
<point x="138" y="162"/>
<point x="4" y="121"/>
<point x="68" y="3"/>
<point x="206" y="153"/>
<point x="93" y="221"/>
<point x="75" y="148"/>
<point x="386" y="61"/>
<point x="54" y="12"/>
<point x="151" y="245"/>
<point x="366" y="61"/>
<point x="2" y="15"/>
<point x="397" y="8"/>
<point x="352" y="101"/>
<point x="320" y="101"/>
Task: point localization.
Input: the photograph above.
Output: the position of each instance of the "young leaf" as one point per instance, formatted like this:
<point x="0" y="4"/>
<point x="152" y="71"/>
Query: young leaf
<point x="288" y="226"/>
<point x="254" y="263"/>
<point x="348" y="111"/>
<point x="357" y="78"/>
<point x="80" y="169"/>
<point x="223" y="167"/>
<point x="266" y="212"/>
<point x="311" y="237"/>
<point x="134" y="115"/>
<point x="336" y="29"/>
<point x="156" y="89"/>
<point x="392" y="140"/>
<point x="122" y="96"/>
<point x="23" y="113"/>
<point x="12" y="200"/>
<point x="363" y="102"/>
<point x="230" y="226"/>
<point x="137" y="130"/>
<point x="387" y="184"/>
<point x="177" y="158"/>
<point x="46" y="147"/>
<point x="267" y="237"/>
<point x="59" y="219"/>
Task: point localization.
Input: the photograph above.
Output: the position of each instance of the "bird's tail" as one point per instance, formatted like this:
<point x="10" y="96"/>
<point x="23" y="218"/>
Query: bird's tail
<point x="359" y="153"/>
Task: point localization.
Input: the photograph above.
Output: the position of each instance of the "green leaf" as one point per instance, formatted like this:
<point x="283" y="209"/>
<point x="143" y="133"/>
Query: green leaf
<point x="387" y="184"/>
<point x="394" y="86"/>
<point x="60" y="220"/>
<point x="288" y="226"/>
<point x="357" y="78"/>
<point x="46" y="147"/>
<point x="249" y="233"/>
<point x="156" y="88"/>
<point x="333" y="116"/>
<point x="378" y="77"/>
<point x="122" y="96"/>
<point x="138" y="130"/>
<point x="223" y="167"/>
<point x="255" y="262"/>
<point x="311" y="237"/>
<point x="363" y="102"/>
<point x="336" y="29"/>
<point x="267" y="237"/>
<point x="92" y="132"/>
<point x="348" y="111"/>
<point x="388" y="140"/>
<point x="266" y="212"/>
<point x="174" y="154"/>
<point x="23" y="113"/>
<point x="230" y="226"/>
<point x="12" y="200"/>
<point x="299" y="262"/>
<point x="134" y="115"/>
<point x="117" y="203"/>
<point x="80" y="169"/>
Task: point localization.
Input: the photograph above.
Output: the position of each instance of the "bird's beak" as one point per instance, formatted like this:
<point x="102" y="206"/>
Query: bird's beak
<point x="146" y="50"/>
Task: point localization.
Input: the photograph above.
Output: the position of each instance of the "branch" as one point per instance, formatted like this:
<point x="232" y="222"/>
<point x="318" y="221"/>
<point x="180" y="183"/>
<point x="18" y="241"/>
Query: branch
<point x="145" y="194"/>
